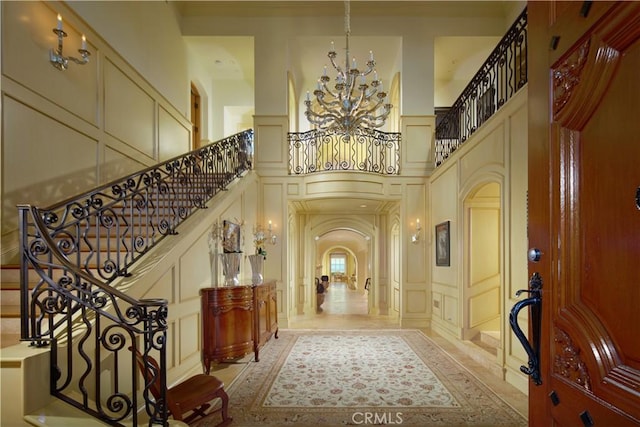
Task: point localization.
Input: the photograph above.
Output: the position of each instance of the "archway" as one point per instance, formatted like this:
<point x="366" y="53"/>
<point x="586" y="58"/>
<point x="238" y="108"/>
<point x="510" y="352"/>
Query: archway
<point x="344" y="295"/>
<point x="348" y="238"/>
<point x="483" y="267"/>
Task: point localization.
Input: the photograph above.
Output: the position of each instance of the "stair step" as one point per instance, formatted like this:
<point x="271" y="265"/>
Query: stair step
<point x="490" y="338"/>
<point x="10" y="325"/>
<point x="7" y="340"/>
<point x="9" y="298"/>
<point x="9" y="311"/>
<point x="11" y="277"/>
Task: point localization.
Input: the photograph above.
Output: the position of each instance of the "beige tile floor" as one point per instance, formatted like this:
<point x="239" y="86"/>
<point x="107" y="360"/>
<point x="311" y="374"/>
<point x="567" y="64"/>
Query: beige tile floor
<point x="346" y="308"/>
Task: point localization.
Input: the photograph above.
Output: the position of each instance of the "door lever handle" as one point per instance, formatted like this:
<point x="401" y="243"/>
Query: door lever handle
<point x="532" y="348"/>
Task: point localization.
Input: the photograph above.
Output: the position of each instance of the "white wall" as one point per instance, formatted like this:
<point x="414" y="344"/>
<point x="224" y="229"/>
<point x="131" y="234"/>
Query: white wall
<point x="180" y="266"/>
<point x="155" y="50"/>
<point x="283" y="47"/>
<point x="495" y="153"/>
<point x="113" y="120"/>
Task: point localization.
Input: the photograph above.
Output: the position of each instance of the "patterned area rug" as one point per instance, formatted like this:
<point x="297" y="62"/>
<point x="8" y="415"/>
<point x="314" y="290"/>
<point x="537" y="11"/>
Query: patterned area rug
<point x="364" y="377"/>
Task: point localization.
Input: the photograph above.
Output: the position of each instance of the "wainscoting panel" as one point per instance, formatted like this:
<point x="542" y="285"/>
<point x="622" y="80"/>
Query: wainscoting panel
<point x="417" y="142"/>
<point x="27" y="39"/>
<point x="417" y="145"/>
<point x="489" y="150"/>
<point x="191" y="279"/>
<point x="189" y="337"/>
<point x="117" y="164"/>
<point x="436" y="308"/>
<point x="129" y="111"/>
<point x="273" y="209"/>
<point x="164" y="287"/>
<point x="348" y="186"/>
<point x="57" y="174"/>
<point x="268" y="137"/>
<point x="416" y="302"/>
<point x="450" y="310"/>
<point x="173" y="138"/>
<point x="396" y="299"/>
<point x="484" y="307"/>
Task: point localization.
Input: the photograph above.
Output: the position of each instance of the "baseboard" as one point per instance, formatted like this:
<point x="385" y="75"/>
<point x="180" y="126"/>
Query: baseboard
<point x="414" y="323"/>
<point x="517" y="379"/>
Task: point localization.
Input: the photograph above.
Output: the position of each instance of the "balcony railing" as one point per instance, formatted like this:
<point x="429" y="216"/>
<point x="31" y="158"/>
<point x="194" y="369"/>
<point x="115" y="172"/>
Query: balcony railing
<point x="367" y="150"/>
<point x="72" y="252"/>
<point x="502" y="75"/>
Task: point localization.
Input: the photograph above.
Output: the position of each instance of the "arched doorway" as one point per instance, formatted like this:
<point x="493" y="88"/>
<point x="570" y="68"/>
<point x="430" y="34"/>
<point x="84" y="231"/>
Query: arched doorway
<point x="322" y="223"/>
<point x="483" y="267"/>
<point x="345" y="293"/>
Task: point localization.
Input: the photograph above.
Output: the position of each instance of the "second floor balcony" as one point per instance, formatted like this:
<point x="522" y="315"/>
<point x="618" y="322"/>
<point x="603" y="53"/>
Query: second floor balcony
<point x="367" y="150"/>
<point x="499" y="78"/>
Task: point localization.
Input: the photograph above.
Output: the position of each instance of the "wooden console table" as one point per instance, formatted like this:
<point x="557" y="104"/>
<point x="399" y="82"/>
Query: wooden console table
<point x="237" y="320"/>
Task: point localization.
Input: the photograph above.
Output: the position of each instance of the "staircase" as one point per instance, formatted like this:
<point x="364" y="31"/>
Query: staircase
<point x="9" y="305"/>
<point x="99" y="235"/>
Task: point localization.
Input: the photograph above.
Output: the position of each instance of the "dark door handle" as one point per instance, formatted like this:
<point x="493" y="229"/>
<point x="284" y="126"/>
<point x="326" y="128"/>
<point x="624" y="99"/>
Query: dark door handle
<point x="532" y="348"/>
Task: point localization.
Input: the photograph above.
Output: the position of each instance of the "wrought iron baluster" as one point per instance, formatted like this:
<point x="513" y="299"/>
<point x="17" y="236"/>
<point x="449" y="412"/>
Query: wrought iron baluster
<point x="72" y="251"/>
<point x="504" y="71"/>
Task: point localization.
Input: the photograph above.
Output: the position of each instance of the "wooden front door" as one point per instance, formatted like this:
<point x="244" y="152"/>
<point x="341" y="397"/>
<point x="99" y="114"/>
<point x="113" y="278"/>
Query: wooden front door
<point x="584" y="210"/>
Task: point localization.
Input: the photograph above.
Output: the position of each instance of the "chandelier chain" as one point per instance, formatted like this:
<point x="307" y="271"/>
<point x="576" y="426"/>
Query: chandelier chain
<point x="348" y="105"/>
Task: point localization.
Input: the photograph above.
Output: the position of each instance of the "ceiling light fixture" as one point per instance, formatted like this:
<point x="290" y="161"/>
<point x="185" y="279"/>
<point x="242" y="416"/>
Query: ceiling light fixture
<point x="352" y="103"/>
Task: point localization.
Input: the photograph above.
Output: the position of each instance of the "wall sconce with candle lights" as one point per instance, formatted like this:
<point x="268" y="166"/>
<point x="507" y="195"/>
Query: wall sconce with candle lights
<point x="415" y="237"/>
<point x="58" y="59"/>
<point x="273" y="239"/>
<point x="263" y="237"/>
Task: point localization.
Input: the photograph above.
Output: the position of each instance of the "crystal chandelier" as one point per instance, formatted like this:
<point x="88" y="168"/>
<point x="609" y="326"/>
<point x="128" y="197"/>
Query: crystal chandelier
<point x="352" y="102"/>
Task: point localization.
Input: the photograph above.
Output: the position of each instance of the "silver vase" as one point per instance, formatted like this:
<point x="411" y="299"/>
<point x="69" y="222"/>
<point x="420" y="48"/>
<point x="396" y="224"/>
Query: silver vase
<point x="256" y="268"/>
<point x="231" y="267"/>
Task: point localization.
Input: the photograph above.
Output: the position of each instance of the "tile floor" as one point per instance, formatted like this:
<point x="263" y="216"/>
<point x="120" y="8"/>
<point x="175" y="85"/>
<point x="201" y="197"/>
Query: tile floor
<point x="346" y="308"/>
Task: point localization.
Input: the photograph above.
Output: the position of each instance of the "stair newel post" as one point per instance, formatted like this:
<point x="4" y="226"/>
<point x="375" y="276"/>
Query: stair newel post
<point x="154" y="316"/>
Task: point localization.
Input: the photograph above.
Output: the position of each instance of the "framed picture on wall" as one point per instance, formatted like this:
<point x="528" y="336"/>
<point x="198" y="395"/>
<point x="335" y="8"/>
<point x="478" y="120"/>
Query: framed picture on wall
<point x="230" y="237"/>
<point x="443" y="249"/>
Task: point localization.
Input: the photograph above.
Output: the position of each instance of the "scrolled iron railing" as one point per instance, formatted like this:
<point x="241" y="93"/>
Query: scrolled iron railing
<point x="73" y="251"/>
<point x="366" y="150"/>
<point x="502" y="75"/>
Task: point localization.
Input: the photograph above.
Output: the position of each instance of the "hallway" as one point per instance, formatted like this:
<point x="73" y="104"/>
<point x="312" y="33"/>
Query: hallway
<point x="343" y="308"/>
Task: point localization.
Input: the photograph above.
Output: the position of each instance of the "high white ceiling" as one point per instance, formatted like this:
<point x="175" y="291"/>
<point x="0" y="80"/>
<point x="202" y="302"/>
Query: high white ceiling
<point x="292" y="8"/>
<point x="456" y="58"/>
<point x="233" y="57"/>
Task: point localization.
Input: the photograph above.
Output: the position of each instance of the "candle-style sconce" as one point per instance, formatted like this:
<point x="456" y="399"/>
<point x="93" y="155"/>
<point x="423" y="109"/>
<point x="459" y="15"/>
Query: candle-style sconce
<point x="415" y="237"/>
<point x="273" y="239"/>
<point x="58" y="59"/>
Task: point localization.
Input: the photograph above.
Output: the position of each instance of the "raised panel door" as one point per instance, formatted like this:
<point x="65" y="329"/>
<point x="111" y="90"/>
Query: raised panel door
<point x="584" y="211"/>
